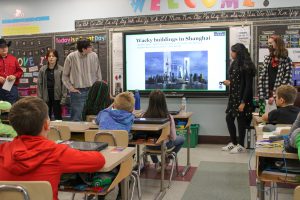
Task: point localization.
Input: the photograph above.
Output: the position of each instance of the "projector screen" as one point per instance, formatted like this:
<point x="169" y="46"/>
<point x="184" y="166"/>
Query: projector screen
<point x="187" y="62"/>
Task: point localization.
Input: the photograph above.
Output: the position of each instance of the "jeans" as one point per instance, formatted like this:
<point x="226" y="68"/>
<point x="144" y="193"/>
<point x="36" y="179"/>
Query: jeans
<point x="77" y="103"/>
<point x="178" y="142"/>
<point x="11" y="96"/>
<point x="242" y="122"/>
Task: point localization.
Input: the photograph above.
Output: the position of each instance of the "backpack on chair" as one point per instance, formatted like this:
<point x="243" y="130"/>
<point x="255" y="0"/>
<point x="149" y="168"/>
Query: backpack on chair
<point x="97" y="100"/>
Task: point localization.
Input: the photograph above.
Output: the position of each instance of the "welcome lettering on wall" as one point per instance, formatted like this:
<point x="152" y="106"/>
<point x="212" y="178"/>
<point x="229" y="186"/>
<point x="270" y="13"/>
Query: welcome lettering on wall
<point x="187" y="18"/>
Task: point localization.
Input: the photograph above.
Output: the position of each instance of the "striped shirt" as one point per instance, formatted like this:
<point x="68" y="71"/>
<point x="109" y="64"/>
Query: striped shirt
<point x="81" y="71"/>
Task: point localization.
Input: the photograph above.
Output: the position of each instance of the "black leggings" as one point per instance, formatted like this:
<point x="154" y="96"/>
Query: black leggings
<point x="242" y="122"/>
<point x="54" y="106"/>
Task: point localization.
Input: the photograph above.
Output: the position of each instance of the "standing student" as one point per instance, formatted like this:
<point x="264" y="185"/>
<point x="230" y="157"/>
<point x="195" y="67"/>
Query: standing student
<point x="10" y="70"/>
<point x="157" y="108"/>
<point x="240" y="107"/>
<point x="32" y="157"/>
<point x="276" y="70"/>
<point x="50" y="86"/>
<point x="81" y="71"/>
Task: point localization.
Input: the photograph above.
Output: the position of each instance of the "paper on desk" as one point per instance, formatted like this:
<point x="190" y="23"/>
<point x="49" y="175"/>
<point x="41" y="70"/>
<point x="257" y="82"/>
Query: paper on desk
<point x="8" y="85"/>
<point x="267" y="135"/>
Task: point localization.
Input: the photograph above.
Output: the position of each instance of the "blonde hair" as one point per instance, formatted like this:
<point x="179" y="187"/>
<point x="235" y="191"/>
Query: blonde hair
<point x="287" y="92"/>
<point x="124" y="101"/>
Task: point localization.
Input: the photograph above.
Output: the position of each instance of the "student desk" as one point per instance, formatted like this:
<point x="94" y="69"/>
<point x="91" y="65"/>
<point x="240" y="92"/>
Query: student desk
<point x="165" y="132"/>
<point x="113" y="159"/>
<point x="268" y="153"/>
<point x="186" y="116"/>
<point x="79" y="127"/>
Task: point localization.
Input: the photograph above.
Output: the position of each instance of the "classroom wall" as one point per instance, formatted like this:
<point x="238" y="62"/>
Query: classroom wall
<point x="209" y="113"/>
<point x="62" y="14"/>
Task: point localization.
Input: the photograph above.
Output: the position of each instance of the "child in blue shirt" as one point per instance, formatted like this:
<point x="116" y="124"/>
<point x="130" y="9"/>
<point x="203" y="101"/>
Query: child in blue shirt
<point x="119" y="115"/>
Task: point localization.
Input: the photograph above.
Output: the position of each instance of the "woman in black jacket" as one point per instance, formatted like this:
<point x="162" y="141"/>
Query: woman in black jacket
<point x="241" y="74"/>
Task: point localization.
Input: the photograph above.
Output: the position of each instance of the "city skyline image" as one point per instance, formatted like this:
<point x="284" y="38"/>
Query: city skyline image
<point x="176" y="70"/>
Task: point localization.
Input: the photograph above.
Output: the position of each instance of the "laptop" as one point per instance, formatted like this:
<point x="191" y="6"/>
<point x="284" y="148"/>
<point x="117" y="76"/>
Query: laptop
<point x="86" y="146"/>
<point x="175" y="112"/>
<point x="150" y="120"/>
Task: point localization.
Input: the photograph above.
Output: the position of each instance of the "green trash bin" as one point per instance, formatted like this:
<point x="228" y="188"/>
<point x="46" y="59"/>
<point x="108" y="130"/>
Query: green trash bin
<point x="193" y="137"/>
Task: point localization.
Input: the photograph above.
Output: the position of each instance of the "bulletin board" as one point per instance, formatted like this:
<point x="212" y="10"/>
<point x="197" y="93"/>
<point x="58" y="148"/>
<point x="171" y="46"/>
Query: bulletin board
<point x="65" y="43"/>
<point x="30" y="52"/>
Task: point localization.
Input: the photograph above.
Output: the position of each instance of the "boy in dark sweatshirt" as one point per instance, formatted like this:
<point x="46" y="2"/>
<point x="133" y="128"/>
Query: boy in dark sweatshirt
<point x="286" y="113"/>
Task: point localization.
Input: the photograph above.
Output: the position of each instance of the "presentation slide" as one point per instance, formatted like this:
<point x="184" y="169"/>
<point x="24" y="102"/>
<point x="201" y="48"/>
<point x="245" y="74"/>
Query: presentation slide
<point x="176" y="61"/>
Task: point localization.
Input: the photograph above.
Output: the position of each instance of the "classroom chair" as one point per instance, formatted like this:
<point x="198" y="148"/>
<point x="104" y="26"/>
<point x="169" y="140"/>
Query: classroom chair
<point x="90" y="118"/>
<point x="25" y="190"/>
<point x="297" y="193"/>
<point x="169" y="154"/>
<point x="115" y="138"/>
<point x="59" y="133"/>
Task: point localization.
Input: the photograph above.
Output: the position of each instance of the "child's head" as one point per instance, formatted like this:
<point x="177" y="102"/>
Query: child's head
<point x="29" y="116"/>
<point x="124" y="101"/>
<point x="157" y="107"/>
<point x="285" y="95"/>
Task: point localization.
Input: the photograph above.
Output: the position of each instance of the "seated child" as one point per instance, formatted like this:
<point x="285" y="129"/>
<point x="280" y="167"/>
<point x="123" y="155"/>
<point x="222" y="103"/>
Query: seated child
<point x="157" y="108"/>
<point x="32" y="157"/>
<point x="119" y="116"/>
<point x="294" y="138"/>
<point x="286" y="112"/>
<point x="6" y="130"/>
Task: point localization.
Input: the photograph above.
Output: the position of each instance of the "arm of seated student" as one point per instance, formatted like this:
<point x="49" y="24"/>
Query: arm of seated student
<point x="272" y="116"/>
<point x="73" y="160"/>
<point x="264" y="117"/>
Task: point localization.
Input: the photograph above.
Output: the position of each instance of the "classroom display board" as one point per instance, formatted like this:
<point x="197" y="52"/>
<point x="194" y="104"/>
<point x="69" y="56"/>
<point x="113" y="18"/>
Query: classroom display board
<point x="179" y="61"/>
<point x="291" y="37"/>
<point x="30" y="52"/>
<point x="66" y="43"/>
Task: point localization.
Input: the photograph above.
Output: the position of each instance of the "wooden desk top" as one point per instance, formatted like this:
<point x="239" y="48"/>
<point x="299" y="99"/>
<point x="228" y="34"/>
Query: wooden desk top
<point x="75" y="126"/>
<point x="113" y="159"/>
<point x="183" y="115"/>
<point x="274" y="153"/>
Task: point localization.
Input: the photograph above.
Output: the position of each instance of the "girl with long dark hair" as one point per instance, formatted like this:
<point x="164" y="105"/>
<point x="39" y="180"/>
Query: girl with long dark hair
<point x="157" y="108"/>
<point x="240" y="106"/>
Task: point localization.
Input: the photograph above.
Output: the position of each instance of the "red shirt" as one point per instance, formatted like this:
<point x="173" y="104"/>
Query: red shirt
<point x="10" y="66"/>
<point x="35" y="158"/>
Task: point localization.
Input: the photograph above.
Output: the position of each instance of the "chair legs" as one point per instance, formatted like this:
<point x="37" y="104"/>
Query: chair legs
<point x="136" y="180"/>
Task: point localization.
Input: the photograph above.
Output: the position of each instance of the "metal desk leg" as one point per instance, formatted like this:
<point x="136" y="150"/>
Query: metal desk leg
<point x="125" y="188"/>
<point x="162" y="191"/>
<point x="188" y="163"/>
<point x="260" y="190"/>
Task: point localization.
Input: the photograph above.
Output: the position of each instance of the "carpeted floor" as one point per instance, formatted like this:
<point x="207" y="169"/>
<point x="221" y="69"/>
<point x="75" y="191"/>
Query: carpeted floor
<point x="219" y="181"/>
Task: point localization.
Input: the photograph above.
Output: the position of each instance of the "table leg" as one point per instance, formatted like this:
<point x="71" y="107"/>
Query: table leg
<point x="162" y="191"/>
<point x="260" y="190"/>
<point x="124" y="189"/>
<point x="188" y="164"/>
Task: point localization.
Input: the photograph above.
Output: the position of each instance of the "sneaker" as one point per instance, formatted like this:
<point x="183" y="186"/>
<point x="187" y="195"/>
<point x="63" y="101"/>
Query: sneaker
<point x="238" y="149"/>
<point x="228" y="147"/>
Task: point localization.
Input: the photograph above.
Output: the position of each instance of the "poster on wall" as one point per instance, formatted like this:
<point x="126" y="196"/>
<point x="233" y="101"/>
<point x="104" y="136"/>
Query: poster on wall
<point x="66" y="43"/>
<point x="291" y="37"/>
<point x="117" y="63"/>
<point x="240" y="34"/>
<point x="30" y="53"/>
